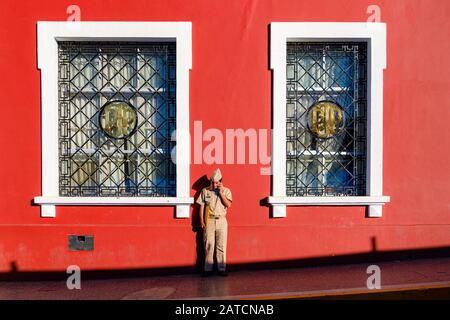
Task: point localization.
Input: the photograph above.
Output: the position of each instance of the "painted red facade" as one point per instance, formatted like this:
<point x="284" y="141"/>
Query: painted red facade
<point x="230" y="87"/>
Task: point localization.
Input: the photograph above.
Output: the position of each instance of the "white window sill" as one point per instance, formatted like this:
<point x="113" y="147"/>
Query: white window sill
<point x="48" y="203"/>
<point x="374" y="202"/>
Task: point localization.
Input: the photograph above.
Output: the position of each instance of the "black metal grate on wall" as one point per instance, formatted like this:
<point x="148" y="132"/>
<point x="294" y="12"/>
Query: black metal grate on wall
<point x="91" y="74"/>
<point x="334" y="72"/>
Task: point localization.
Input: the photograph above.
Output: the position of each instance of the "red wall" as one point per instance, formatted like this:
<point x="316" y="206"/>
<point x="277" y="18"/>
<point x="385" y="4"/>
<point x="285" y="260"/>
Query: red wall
<point x="230" y="77"/>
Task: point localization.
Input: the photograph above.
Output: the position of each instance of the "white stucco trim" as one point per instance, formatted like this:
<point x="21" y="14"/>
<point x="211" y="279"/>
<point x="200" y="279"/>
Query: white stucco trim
<point x="375" y="35"/>
<point x="335" y="201"/>
<point x="84" y="201"/>
<point x="48" y="35"/>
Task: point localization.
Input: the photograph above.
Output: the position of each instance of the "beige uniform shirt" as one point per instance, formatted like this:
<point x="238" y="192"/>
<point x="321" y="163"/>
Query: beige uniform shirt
<point x="209" y="197"/>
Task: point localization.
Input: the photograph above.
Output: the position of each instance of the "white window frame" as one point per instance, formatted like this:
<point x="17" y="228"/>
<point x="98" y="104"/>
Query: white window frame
<point x="49" y="33"/>
<point x="375" y="36"/>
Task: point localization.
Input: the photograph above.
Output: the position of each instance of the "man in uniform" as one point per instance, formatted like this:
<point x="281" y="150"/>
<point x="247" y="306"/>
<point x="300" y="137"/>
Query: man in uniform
<point x="214" y="201"/>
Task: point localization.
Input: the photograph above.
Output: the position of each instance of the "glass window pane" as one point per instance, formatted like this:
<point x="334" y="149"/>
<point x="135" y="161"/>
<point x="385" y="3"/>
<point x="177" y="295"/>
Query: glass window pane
<point x="93" y="163"/>
<point x="326" y="118"/>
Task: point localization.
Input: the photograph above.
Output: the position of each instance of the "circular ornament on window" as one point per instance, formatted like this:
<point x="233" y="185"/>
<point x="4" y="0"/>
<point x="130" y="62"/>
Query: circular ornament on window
<point x="325" y="119"/>
<point x="118" y="119"/>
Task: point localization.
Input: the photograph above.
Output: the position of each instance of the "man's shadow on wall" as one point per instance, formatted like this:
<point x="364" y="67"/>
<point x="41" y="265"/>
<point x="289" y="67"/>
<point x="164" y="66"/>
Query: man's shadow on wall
<point x="198" y="185"/>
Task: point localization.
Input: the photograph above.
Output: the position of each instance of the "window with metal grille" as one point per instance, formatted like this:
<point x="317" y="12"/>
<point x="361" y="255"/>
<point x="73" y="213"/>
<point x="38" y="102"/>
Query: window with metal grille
<point x="326" y="107"/>
<point x="125" y="150"/>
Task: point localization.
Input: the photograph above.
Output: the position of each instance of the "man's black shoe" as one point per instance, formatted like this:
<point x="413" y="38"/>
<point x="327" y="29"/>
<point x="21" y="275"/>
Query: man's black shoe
<point x="223" y="274"/>
<point x="206" y="274"/>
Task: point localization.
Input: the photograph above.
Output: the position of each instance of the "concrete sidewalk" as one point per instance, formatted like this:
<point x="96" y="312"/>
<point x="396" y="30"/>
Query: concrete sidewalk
<point x="311" y="282"/>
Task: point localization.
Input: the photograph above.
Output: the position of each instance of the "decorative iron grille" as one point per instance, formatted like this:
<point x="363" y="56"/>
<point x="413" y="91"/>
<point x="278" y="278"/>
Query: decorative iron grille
<point x="142" y="76"/>
<point x="326" y="118"/>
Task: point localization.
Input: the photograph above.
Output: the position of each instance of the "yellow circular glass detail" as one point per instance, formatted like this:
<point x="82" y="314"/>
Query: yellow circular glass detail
<point x="118" y="119"/>
<point x="325" y="119"/>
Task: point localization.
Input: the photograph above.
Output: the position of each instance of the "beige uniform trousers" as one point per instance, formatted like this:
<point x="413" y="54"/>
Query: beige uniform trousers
<point x="215" y="237"/>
